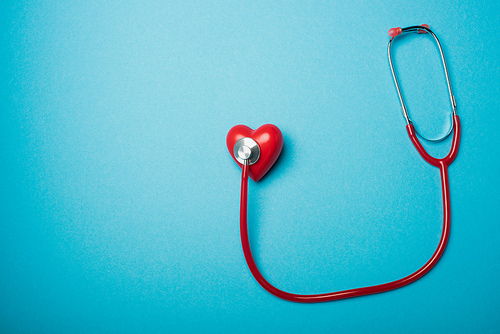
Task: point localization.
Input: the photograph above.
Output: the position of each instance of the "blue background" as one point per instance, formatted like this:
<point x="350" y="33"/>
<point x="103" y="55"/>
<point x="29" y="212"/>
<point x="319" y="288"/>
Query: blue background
<point x="119" y="201"/>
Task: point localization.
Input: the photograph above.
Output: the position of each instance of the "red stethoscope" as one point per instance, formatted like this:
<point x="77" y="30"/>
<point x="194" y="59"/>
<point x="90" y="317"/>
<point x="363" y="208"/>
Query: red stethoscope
<point x="257" y="150"/>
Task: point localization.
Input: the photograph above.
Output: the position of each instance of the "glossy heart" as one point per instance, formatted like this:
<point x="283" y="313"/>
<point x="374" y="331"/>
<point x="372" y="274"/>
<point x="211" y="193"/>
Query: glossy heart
<point x="270" y="141"/>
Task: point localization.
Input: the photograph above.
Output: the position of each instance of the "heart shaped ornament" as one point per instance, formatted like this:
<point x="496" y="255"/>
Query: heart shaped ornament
<point x="270" y="141"/>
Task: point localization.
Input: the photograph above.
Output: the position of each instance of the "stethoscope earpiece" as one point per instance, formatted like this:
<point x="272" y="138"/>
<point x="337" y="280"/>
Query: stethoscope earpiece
<point x="422" y="29"/>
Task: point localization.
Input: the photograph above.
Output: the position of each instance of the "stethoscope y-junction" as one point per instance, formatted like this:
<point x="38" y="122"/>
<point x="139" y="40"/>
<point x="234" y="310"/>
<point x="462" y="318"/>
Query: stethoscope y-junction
<point x="255" y="151"/>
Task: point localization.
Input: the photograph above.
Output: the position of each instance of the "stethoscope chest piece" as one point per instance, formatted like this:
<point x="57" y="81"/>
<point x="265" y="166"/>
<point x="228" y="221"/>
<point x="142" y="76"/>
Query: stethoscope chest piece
<point x="246" y="151"/>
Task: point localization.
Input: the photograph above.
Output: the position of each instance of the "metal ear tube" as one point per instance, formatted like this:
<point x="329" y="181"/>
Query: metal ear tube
<point x="424" y="28"/>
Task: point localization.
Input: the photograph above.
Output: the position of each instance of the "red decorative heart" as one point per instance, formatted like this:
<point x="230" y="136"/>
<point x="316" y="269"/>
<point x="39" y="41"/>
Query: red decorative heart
<point x="270" y="141"/>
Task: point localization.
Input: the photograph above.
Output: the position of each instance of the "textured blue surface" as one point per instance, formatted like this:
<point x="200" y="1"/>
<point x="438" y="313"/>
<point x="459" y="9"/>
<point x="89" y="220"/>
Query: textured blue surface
<point x="119" y="201"/>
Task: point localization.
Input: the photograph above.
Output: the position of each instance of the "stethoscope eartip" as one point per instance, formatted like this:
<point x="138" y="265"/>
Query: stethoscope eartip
<point x="393" y="32"/>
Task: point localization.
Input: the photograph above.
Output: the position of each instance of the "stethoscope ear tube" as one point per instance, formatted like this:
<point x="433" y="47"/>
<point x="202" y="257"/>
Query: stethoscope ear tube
<point x="446" y="161"/>
<point x="394" y="32"/>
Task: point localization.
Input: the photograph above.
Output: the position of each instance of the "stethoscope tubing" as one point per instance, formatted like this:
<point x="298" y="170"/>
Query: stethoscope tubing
<point x="442" y="164"/>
